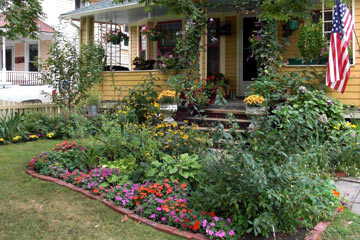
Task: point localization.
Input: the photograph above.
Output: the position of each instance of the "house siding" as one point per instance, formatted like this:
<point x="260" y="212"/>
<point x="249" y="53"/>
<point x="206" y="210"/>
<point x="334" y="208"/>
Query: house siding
<point x="352" y="93"/>
<point x="44" y="49"/>
<point x="19" y="52"/>
<point x="133" y="44"/>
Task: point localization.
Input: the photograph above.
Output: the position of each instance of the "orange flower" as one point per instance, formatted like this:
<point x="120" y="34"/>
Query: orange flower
<point x="96" y="190"/>
<point x="341" y="208"/>
<point x="182" y="186"/>
<point x="135" y="197"/>
<point x="336" y="193"/>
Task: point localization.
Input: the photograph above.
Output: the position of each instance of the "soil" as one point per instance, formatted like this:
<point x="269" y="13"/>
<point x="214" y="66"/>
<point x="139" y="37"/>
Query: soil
<point x="300" y="235"/>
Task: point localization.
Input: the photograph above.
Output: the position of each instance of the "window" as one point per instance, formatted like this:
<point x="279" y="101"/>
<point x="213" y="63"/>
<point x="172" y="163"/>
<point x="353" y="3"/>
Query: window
<point x="167" y="44"/>
<point x="77" y="4"/>
<point x="33" y="57"/>
<point x="213" y="46"/>
<point x="324" y="12"/>
<point x="142" y="43"/>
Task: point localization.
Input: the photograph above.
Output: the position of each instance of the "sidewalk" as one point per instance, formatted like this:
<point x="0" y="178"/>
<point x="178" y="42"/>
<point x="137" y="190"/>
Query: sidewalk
<point x="350" y="189"/>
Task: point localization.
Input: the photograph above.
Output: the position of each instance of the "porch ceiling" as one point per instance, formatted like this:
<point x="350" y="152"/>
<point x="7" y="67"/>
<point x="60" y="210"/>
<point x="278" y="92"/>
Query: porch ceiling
<point x="126" y="16"/>
<point x="123" y="13"/>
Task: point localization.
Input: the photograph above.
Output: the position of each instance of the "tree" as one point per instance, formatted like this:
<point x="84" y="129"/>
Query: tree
<point x="21" y="18"/>
<point x="72" y="72"/>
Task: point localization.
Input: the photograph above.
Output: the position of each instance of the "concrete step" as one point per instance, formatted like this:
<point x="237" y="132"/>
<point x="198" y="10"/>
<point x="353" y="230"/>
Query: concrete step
<point x="210" y="119"/>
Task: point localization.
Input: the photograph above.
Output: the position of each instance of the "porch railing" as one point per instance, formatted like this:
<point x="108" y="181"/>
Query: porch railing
<point x="24" y="78"/>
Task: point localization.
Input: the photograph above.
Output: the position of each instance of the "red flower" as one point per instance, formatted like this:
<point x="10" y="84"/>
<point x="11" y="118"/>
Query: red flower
<point x="196" y="225"/>
<point x="203" y="213"/>
<point x="96" y="190"/>
<point x="194" y="217"/>
<point x="212" y="214"/>
<point x="182" y="186"/>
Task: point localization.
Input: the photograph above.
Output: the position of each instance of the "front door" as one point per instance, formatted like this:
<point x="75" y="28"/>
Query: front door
<point x="8" y="60"/>
<point x="248" y="64"/>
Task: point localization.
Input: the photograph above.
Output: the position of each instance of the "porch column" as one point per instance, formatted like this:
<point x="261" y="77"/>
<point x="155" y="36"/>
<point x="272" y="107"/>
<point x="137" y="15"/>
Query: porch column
<point x="3" y="74"/>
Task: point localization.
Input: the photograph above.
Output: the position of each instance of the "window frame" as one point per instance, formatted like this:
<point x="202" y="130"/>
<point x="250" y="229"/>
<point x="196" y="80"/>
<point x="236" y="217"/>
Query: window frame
<point x="141" y="36"/>
<point x="159" y="48"/>
<point x="27" y="66"/>
<point x="218" y="22"/>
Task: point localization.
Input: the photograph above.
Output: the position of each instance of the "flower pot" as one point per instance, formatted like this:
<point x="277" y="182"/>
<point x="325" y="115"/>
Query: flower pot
<point x="167" y="111"/>
<point x="92" y="109"/>
<point x="116" y="41"/>
<point x="254" y="113"/>
<point x="292" y="25"/>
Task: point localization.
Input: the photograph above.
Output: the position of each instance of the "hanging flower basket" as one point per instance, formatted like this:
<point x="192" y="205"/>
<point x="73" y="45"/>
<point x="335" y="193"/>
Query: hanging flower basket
<point x="115" y="37"/>
<point x="153" y="33"/>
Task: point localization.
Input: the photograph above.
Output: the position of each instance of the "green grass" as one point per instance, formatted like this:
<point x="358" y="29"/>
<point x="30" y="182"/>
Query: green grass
<point x="345" y="227"/>
<point x="34" y="209"/>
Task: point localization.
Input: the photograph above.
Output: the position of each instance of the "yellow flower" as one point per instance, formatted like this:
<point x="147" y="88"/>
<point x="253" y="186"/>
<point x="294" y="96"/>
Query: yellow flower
<point x="33" y="137"/>
<point x="353" y="126"/>
<point x="17" y="138"/>
<point x="50" y="135"/>
<point x="185" y="137"/>
<point x="254" y="100"/>
<point x="2" y="140"/>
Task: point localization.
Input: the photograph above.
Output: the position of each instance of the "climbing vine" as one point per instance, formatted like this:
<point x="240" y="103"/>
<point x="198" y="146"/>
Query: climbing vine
<point x="266" y="46"/>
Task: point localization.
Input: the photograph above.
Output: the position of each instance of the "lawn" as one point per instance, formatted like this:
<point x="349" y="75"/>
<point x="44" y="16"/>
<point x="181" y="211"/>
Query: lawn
<point x="34" y="209"/>
<point x="345" y="227"/>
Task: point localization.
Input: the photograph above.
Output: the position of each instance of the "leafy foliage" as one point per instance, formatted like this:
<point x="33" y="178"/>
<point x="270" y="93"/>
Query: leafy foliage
<point x="21" y="17"/>
<point x="72" y="73"/>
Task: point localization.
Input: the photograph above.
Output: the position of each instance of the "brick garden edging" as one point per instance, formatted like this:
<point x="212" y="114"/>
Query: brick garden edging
<point x="313" y="235"/>
<point x="317" y="231"/>
<point x="121" y="210"/>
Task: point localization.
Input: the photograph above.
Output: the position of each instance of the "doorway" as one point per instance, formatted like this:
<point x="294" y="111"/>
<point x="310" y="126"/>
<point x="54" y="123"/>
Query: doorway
<point x="248" y="65"/>
<point x="9" y="55"/>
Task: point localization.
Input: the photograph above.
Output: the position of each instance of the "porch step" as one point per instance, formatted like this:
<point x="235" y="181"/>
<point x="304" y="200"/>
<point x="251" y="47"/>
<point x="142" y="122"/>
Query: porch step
<point x="222" y="113"/>
<point x="208" y="129"/>
<point x="208" y="121"/>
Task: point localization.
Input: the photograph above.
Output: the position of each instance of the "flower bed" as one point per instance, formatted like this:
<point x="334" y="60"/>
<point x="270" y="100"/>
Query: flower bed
<point x="164" y="202"/>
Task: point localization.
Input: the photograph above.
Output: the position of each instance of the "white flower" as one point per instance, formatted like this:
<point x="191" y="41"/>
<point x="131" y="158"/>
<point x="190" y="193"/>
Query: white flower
<point x="323" y="119"/>
<point x="303" y="89"/>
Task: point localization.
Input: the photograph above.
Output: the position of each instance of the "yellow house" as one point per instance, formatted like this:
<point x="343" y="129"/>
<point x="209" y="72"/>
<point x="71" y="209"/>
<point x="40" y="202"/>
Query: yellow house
<point x="226" y="44"/>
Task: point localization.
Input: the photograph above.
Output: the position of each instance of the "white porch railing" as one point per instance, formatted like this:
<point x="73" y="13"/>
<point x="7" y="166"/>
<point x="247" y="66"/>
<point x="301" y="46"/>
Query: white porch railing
<point x="23" y="78"/>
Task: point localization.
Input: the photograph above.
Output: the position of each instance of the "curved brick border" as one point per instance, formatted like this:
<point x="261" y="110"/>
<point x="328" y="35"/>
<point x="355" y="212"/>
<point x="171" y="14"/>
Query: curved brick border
<point x="317" y="231"/>
<point x="313" y="235"/>
<point x="124" y="211"/>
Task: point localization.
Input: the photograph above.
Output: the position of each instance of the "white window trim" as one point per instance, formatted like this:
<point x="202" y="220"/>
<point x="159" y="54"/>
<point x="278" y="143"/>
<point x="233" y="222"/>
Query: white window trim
<point x="27" y="57"/>
<point x="12" y="57"/>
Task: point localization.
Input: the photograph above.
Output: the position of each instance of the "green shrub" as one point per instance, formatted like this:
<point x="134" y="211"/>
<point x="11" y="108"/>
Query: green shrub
<point x="37" y="123"/>
<point x="11" y="126"/>
<point x="258" y="193"/>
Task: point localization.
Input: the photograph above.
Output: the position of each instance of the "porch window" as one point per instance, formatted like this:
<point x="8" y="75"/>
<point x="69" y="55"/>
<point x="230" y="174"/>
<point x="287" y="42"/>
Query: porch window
<point x="33" y="57"/>
<point x="213" y="46"/>
<point x="167" y="44"/>
<point x="324" y="12"/>
<point x="142" y="43"/>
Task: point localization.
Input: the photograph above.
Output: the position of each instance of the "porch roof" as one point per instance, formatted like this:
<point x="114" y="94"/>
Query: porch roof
<point x="130" y="11"/>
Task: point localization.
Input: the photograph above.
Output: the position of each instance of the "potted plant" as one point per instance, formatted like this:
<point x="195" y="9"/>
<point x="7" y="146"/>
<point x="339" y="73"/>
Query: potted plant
<point x="142" y="64"/>
<point x="168" y="104"/>
<point x="255" y="108"/>
<point x="311" y="42"/>
<point x="115" y="36"/>
<point x="217" y="83"/>
<point x="93" y="99"/>
<point x="153" y="33"/>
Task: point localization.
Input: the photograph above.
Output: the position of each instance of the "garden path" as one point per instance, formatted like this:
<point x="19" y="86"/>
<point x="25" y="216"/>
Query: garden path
<point x="350" y="189"/>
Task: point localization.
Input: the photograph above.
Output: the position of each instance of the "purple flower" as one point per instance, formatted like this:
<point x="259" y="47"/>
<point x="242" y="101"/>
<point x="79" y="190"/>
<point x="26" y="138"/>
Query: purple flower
<point x="330" y="102"/>
<point x="211" y="232"/>
<point x="301" y="219"/>
<point x="158" y="209"/>
<point x="204" y="222"/>
<point x="211" y="20"/>
<point x="216" y="219"/>
<point x="231" y="232"/>
<point x="212" y="224"/>
<point x="153" y="216"/>
<point x="117" y="198"/>
<point x="163" y="219"/>
<point x="229" y="220"/>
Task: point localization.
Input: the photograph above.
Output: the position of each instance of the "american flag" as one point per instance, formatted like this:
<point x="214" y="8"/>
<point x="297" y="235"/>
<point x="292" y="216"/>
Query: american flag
<point x="338" y="71"/>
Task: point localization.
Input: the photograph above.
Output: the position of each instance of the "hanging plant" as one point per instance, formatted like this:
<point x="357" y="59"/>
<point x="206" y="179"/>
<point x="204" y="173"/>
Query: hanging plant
<point x="115" y="36"/>
<point x="153" y="33"/>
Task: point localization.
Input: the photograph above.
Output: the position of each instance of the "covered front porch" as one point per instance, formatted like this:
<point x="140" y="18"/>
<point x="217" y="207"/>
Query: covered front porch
<point x="225" y="42"/>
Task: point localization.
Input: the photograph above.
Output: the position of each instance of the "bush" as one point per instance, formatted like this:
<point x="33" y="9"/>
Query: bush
<point x="10" y="127"/>
<point x="257" y="193"/>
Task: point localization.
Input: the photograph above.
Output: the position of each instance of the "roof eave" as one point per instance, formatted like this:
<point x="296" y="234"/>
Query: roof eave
<point x="101" y="11"/>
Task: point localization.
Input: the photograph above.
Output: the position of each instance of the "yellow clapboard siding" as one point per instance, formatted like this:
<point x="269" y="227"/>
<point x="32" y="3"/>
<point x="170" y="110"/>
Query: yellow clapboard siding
<point x="118" y="84"/>
<point x="133" y="44"/>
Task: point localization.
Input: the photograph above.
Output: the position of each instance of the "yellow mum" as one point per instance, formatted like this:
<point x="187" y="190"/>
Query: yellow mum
<point x="254" y="100"/>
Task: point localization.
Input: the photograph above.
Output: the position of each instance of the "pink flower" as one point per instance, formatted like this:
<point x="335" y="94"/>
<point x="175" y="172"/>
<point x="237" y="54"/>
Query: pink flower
<point x="231" y="232"/>
<point x="163" y="219"/>
<point x="153" y="216"/>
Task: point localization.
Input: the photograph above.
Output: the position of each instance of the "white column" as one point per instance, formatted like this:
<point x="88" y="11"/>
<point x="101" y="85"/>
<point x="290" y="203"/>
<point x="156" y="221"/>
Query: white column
<point x="4" y="61"/>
